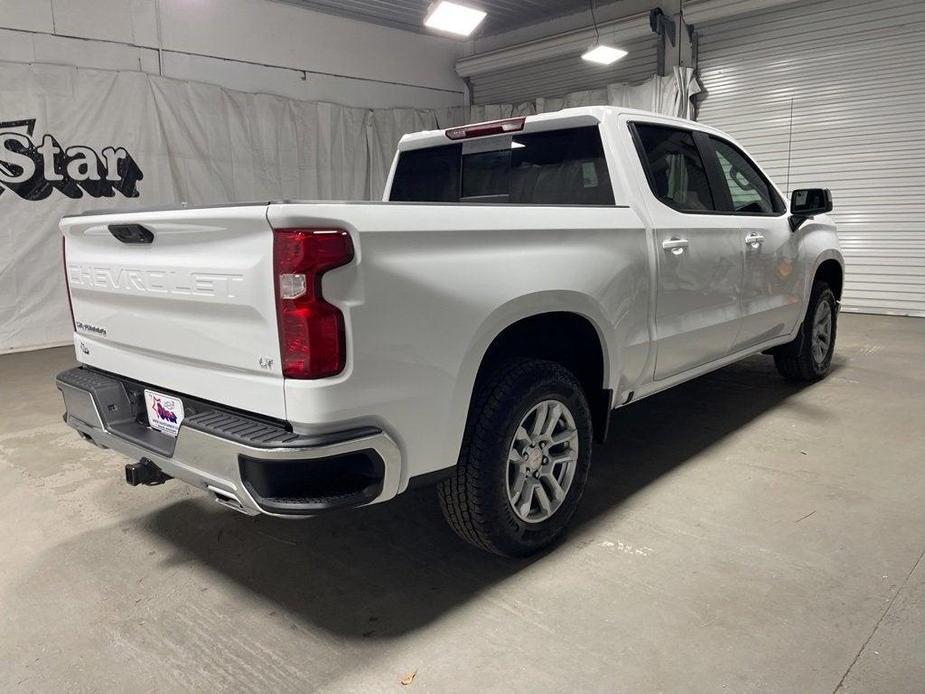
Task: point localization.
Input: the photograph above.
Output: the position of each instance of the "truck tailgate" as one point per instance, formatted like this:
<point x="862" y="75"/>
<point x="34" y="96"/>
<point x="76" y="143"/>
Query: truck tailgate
<point x="189" y="308"/>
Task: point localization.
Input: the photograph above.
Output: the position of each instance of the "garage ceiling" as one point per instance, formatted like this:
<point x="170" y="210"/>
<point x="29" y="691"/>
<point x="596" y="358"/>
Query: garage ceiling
<point x="503" y="15"/>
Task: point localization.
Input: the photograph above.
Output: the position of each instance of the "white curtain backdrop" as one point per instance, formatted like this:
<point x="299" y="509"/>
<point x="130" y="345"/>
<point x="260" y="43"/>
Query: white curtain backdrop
<point x="670" y="95"/>
<point x="200" y="144"/>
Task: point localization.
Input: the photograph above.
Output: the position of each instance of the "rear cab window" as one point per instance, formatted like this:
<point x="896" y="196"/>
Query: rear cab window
<point x="554" y="167"/>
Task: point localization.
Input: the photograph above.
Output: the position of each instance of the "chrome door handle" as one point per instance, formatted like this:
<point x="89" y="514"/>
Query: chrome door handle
<point x="754" y="240"/>
<point x="675" y="245"/>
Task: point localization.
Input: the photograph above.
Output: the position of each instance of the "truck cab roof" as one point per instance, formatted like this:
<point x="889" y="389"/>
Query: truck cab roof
<point x="564" y="118"/>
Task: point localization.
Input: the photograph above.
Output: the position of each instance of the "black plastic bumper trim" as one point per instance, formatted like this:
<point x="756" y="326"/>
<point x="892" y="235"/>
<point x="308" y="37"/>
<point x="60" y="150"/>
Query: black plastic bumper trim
<point x="256" y="434"/>
<point x="318" y="502"/>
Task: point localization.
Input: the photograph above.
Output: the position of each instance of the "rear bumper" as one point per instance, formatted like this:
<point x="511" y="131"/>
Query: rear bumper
<point x="247" y="463"/>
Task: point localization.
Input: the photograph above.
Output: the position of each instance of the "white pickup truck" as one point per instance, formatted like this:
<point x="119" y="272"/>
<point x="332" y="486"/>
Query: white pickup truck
<point x="521" y="279"/>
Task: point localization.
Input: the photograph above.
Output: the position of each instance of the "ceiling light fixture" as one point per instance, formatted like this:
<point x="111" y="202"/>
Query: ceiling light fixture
<point x="453" y="18"/>
<point x="601" y="53"/>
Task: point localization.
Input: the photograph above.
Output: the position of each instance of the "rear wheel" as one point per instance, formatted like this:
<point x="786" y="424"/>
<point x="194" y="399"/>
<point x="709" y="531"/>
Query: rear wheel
<point x="524" y="460"/>
<point x="809" y="356"/>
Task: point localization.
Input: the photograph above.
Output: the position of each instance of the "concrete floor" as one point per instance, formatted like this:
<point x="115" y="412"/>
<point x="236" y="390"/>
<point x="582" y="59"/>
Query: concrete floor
<point x="739" y="534"/>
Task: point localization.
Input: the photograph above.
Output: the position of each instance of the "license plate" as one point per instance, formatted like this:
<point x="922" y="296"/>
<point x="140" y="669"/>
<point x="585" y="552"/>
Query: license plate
<point x="165" y="412"/>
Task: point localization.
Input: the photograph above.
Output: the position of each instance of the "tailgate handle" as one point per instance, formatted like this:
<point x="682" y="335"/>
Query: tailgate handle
<point x="131" y="233"/>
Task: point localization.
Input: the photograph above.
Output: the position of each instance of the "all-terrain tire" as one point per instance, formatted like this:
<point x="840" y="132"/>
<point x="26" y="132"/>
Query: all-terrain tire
<point x="475" y="498"/>
<point x="798" y="360"/>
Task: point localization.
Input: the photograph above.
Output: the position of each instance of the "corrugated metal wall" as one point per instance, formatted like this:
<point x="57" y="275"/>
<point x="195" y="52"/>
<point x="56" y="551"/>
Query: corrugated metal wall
<point x="561" y="76"/>
<point x="855" y="71"/>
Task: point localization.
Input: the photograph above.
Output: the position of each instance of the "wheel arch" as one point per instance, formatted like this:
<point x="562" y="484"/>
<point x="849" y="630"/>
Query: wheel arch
<point x="831" y="271"/>
<point x="545" y="327"/>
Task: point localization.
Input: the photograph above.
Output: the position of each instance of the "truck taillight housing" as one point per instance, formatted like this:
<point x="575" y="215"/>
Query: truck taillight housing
<point x="311" y="331"/>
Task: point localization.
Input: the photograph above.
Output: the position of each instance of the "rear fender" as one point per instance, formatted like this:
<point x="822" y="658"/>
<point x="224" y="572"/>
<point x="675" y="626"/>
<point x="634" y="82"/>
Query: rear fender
<point x="514" y="311"/>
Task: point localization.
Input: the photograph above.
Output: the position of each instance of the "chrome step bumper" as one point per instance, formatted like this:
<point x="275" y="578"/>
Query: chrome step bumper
<point x="244" y="462"/>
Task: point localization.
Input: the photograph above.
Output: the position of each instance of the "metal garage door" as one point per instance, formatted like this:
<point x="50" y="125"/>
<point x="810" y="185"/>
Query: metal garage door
<point x="854" y="72"/>
<point x="562" y="75"/>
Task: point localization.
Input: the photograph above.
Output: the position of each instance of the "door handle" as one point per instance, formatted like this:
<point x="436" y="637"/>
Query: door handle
<point x="675" y="245"/>
<point x="754" y="240"/>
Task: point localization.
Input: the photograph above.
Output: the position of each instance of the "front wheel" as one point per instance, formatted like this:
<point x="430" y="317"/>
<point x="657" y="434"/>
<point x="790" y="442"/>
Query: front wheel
<point x="809" y="356"/>
<point x="524" y="461"/>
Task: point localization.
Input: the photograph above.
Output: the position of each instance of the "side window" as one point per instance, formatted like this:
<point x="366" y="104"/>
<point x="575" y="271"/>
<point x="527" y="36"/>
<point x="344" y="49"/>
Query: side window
<point x="675" y="168"/>
<point x="749" y="191"/>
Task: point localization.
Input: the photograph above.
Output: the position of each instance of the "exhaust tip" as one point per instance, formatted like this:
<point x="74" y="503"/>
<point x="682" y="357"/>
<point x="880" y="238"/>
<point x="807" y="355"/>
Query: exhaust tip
<point x="229" y="500"/>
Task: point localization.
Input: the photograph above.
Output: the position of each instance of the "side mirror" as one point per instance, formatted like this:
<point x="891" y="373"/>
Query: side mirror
<point x="808" y="202"/>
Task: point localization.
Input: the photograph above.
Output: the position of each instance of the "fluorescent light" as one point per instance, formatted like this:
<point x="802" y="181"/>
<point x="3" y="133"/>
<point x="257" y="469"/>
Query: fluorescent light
<point x="603" y="55"/>
<point x="456" y="19"/>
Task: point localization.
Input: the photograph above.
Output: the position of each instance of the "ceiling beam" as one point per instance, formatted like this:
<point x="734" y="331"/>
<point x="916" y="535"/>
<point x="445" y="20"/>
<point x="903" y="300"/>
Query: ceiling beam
<point x="571" y="42"/>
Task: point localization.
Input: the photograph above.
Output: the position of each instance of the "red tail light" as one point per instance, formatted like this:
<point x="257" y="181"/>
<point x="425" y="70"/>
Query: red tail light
<point x="67" y="282"/>
<point x="311" y="331"/>
<point x="495" y="127"/>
